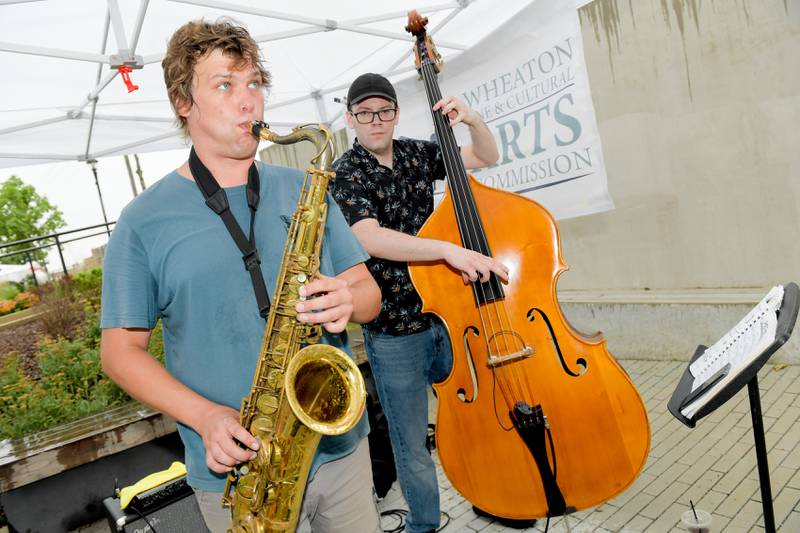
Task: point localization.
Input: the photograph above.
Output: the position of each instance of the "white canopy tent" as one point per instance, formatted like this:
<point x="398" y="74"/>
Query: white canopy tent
<point x="63" y="102"/>
<point x="63" y="98"/>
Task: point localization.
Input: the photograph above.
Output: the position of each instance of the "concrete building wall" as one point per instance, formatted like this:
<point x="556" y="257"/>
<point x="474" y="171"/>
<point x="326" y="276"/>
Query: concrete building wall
<point x="698" y="105"/>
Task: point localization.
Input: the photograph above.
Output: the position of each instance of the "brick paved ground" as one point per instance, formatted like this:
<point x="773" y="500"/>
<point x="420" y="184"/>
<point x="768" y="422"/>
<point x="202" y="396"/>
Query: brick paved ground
<point x="713" y="464"/>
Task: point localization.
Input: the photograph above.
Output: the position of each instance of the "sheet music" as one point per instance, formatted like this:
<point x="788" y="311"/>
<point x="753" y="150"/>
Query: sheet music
<point x="745" y="341"/>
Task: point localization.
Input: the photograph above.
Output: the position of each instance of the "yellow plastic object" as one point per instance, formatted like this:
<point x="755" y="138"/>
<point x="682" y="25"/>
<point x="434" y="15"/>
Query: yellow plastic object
<point x="176" y="470"/>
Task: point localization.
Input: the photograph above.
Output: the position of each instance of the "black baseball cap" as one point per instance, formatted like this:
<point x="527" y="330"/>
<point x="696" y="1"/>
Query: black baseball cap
<point x="368" y="85"/>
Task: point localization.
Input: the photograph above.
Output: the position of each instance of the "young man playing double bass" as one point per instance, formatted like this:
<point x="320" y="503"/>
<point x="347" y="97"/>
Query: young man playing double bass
<point x="385" y="189"/>
<point x="171" y="258"/>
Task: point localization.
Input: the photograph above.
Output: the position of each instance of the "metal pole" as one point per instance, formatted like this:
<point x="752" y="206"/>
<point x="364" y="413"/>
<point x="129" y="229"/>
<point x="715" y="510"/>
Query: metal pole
<point x="61" y="256"/>
<point x="139" y="172"/>
<point x="130" y="174"/>
<point x="93" y="164"/>
<point x="761" y="454"/>
<point x="33" y="272"/>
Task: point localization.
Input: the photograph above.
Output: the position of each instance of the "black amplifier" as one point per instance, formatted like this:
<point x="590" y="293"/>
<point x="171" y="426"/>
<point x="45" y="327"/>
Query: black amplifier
<point x="167" y="508"/>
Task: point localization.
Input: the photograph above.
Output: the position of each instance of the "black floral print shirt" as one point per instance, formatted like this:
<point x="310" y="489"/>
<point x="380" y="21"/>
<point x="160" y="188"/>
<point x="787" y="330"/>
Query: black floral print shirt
<point x="399" y="198"/>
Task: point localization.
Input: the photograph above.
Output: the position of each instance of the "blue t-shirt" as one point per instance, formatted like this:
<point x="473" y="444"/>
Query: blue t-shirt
<point x="170" y="257"/>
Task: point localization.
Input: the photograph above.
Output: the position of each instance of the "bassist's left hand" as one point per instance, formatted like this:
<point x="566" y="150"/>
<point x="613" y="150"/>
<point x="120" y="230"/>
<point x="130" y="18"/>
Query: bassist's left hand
<point x="456" y="110"/>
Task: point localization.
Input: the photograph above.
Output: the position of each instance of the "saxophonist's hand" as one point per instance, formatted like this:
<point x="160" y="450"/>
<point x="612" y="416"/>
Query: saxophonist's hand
<point x="220" y="428"/>
<point x="329" y="302"/>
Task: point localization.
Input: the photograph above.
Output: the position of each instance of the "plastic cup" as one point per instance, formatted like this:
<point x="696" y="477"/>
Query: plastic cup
<point x="700" y="524"/>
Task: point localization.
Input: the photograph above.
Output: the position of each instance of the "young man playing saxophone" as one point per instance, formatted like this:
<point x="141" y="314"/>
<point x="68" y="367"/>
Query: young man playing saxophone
<point x="170" y="257"/>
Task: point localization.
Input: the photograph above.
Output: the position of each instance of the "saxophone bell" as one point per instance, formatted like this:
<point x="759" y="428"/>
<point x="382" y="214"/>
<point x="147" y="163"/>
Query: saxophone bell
<point x="325" y="389"/>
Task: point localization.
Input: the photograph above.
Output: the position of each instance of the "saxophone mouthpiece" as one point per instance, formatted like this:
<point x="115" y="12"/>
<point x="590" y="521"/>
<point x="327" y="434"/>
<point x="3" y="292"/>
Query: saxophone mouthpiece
<point x="256" y="126"/>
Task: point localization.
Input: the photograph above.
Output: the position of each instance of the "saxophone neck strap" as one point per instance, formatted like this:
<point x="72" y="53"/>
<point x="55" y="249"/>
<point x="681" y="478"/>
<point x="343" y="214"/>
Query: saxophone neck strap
<point x="217" y="201"/>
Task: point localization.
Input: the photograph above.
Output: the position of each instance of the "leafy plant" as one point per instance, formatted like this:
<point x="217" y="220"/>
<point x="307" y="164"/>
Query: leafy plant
<point x="8" y="290"/>
<point x="67" y="381"/>
<point x="72" y="385"/>
<point x="22" y="300"/>
<point x="62" y="311"/>
<point x="89" y="283"/>
<point x="25" y="300"/>
<point x="22" y="401"/>
<point x="7" y="307"/>
<point x="156" y="345"/>
<point x="70" y="382"/>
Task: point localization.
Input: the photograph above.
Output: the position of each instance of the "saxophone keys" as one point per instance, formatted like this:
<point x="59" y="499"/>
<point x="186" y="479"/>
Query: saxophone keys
<point x="271" y="495"/>
<point x="279" y="351"/>
<point x="312" y="333"/>
<point x="289" y="307"/>
<point x="262" y="427"/>
<point x="275" y="453"/>
<point x="275" y="378"/>
<point x="291" y="290"/>
<point x="246" y="486"/>
<point x="284" y="331"/>
<point x="267" y="404"/>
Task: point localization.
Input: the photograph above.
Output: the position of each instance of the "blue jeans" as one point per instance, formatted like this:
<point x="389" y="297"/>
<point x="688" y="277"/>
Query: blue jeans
<point x="404" y="367"/>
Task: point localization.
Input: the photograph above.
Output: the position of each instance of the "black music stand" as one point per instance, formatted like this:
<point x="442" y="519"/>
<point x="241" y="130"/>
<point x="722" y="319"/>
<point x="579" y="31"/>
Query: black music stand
<point x="787" y="316"/>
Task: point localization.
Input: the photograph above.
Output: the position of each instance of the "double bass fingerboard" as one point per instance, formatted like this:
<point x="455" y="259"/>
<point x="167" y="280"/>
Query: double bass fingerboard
<point x="470" y="227"/>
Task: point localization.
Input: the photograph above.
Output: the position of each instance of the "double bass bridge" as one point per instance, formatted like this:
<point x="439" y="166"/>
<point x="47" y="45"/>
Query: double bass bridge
<point x="494" y="361"/>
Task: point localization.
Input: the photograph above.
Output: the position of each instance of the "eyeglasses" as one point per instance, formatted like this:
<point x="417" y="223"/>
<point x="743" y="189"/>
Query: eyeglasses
<point x="368" y="117"/>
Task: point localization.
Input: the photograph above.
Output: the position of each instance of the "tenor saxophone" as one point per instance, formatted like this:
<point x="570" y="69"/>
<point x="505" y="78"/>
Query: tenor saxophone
<point x="298" y="393"/>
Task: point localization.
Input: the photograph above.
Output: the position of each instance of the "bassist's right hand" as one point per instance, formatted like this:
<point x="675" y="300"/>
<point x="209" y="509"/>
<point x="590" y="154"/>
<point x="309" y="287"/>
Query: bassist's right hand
<point x="473" y="265"/>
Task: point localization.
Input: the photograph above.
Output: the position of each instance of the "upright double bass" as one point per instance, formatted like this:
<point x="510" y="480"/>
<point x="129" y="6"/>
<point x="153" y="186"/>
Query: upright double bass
<point x="535" y="419"/>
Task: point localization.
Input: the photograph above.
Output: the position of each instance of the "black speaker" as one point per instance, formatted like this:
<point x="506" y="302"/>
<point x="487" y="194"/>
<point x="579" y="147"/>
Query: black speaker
<point x="168" y="508"/>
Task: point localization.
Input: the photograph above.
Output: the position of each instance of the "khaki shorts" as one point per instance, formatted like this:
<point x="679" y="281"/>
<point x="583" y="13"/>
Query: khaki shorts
<point x="339" y="499"/>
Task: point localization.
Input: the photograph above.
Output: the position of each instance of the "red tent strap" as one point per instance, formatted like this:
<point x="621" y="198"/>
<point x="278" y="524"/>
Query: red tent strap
<point x="125" y="71"/>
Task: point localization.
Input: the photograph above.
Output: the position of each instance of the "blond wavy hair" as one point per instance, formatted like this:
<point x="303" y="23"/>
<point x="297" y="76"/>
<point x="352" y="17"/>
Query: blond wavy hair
<point x="191" y="43"/>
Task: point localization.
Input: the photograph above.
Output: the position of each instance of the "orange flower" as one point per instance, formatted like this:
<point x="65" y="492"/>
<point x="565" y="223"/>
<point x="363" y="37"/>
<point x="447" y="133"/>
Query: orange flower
<point x="7" y="306"/>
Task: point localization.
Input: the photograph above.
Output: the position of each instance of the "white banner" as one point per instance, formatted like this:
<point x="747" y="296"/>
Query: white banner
<point x="528" y="81"/>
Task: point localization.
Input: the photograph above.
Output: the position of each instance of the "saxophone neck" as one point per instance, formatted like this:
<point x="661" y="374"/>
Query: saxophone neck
<point x="318" y="134"/>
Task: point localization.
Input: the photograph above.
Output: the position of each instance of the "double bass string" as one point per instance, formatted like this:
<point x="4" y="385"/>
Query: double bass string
<point x="470" y="228"/>
<point x="452" y="167"/>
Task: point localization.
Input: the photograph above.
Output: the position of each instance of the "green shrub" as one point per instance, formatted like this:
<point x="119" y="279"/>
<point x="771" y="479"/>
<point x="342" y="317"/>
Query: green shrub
<point x="71" y="385"/>
<point x="91" y="327"/>
<point x="24" y="405"/>
<point x="8" y="290"/>
<point x="61" y="311"/>
<point x="89" y="283"/>
<point x="21" y="301"/>
<point x="156" y="345"/>
<point x="89" y="280"/>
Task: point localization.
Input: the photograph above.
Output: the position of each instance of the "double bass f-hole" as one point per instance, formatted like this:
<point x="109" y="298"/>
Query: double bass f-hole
<point x="461" y="393"/>
<point x="580" y="361"/>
